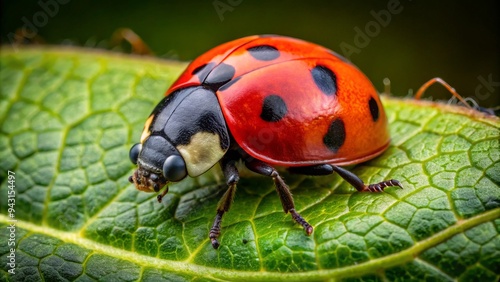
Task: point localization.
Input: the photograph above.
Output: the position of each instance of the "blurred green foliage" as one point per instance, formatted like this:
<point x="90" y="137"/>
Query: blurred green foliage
<point x="406" y="41"/>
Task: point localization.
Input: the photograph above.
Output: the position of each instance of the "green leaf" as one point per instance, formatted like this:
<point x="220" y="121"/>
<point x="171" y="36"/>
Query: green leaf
<point x="69" y="116"/>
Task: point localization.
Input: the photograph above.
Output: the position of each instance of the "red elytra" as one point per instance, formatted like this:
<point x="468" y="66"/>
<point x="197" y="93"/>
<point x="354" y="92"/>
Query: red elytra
<point x="298" y="139"/>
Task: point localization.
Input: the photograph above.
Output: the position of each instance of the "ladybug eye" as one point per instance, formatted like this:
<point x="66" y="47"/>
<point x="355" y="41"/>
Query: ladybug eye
<point x="174" y="168"/>
<point x="134" y="152"/>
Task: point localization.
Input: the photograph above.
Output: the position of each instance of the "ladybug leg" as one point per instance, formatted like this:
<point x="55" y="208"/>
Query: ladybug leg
<point x="232" y="176"/>
<point x="282" y="189"/>
<point x="353" y="179"/>
<point x="322" y="169"/>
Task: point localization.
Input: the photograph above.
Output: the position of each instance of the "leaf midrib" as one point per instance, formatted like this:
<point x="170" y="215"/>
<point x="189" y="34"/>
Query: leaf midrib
<point x="217" y="273"/>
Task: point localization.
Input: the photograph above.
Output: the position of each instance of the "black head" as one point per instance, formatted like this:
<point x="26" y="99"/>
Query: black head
<point x="158" y="163"/>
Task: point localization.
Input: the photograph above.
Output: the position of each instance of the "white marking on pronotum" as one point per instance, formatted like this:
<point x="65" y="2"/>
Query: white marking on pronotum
<point x="201" y="153"/>
<point x="146" y="132"/>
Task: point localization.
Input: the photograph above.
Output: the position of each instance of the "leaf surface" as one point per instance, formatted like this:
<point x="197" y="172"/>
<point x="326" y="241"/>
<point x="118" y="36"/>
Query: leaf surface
<point x="69" y="116"/>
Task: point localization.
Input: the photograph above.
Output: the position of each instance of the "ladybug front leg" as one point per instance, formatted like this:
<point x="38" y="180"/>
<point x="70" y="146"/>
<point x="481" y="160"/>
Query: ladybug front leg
<point x="282" y="189"/>
<point x="228" y="164"/>
<point x="353" y="179"/>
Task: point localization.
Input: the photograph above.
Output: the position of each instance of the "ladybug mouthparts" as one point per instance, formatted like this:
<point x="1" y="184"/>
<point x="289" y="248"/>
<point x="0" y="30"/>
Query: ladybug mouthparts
<point x="147" y="181"/>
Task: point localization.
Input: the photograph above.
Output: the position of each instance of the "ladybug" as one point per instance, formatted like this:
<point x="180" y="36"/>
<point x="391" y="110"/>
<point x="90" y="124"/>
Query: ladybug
<point x="268" y="101"/>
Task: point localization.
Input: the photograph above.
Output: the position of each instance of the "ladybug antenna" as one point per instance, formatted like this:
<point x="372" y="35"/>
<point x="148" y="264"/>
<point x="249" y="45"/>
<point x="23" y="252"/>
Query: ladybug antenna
<point x="439" y="80"/>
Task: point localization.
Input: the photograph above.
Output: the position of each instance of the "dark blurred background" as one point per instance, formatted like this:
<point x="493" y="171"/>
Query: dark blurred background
<point x="406" y="41"/>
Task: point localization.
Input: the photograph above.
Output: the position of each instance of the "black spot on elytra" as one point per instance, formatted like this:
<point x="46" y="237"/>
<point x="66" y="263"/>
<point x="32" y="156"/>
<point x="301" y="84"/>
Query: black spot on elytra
<point x="373" y="109"/>
<point x="229" y="84"/>
<point x="335" y="137"/>
<point x="273" y="108"/>
<point x="219" y="76"/>
<point x="264" y="52"/>
<point x="325" y="79"/>
<point x="203" y="70"/>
